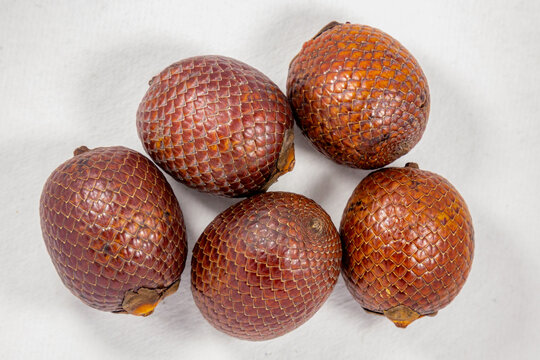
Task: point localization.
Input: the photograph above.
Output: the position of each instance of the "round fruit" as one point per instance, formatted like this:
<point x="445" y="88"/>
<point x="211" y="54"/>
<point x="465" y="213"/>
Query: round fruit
<point x="114" y="230"/>
<point x="358" y="95"/>
<point x="217" y="125"/>
<point x="408" y="243"/>
<point x="265" y="265"/>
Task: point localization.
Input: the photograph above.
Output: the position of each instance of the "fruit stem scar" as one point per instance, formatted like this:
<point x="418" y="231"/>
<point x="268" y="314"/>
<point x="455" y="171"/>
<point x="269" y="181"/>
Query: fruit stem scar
<point x="143" y="301"/>
<point x="401" y="315"/>
<point x="412" y="165"/>
<point x="286" y="159"/>
<point x="80" y="150"/>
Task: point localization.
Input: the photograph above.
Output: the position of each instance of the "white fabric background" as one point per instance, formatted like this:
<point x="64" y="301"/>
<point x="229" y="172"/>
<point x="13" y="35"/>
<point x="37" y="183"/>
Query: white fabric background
<point x="73" y="73"/>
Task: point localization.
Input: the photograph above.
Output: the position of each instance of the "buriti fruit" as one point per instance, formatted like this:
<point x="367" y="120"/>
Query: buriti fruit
<point x="217" y="125"/>
<point x="358" y="95"/>
<point x="408" y="243"/>
<point x="114" y="230"/>
<point x="265" y="265"/>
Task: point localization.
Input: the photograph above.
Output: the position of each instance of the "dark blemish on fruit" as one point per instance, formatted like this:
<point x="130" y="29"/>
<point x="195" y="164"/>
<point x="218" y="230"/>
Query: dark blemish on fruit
<point x="82" y="162"/>
<point x="167" y="216"/>
<point x="107" y="249"/>
<point x="355" y="205"/>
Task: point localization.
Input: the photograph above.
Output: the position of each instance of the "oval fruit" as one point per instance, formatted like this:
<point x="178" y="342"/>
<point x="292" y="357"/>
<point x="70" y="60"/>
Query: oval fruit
<point x="217" y="125"/>
<point x="408" y="243"/>
<point x="114" y="230"/>
<point x="358" y="95"/>
<point x="265" y="265"/>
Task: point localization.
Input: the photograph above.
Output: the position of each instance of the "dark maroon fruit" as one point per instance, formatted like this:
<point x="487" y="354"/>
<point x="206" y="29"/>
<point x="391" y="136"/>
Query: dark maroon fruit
<point x="114" y="230"/>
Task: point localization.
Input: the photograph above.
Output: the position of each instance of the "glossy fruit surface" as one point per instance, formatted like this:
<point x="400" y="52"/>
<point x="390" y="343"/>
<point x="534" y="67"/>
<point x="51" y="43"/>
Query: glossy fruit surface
<point x="114" y="230"/>
<point x="358" y="95"/>
<point x="408" y="243"/>
<point x="217" y="125"/>
<point x="265" y="265"/>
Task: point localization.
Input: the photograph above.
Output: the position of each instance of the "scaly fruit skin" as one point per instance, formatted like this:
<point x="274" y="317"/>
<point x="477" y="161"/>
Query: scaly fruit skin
<point x="217" y="125"/>
<point x="114" y="230"/>
<point x="408" y="243"/>
<point x="265" y="265"/>
<point x="358" y="95"/>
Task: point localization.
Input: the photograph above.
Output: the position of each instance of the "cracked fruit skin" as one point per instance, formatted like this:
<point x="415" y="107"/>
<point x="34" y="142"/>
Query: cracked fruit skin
<point x="114" y="230"/>
<point x="408" y="243"/>
<point x="217" y="125"/>
<point x="358" y="95"/>
<point x="265" y="265"/>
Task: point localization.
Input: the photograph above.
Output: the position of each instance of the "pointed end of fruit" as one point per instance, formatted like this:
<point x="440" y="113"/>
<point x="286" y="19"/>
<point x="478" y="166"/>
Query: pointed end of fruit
<point x="412" y="165"/>
<point x="153" y="80"/>
<point x="144" y="309"/>
<point x="327" y="27"/>
<point x="401" y="315"/>
<point x="143" y="301"/>
<point x="80" y="150"/>
<point x="401" y="324"/>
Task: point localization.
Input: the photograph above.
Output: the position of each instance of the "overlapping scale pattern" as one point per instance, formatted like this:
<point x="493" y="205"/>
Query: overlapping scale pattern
<point x="265" y="265"/>
<point x="407" y="238"/>
<point x="112" y="224"/>
<point x="216" y="124"/>
<point x="358" y="95"/>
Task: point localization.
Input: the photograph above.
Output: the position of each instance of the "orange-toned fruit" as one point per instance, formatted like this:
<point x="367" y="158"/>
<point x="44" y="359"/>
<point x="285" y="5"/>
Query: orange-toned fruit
<point x="217" y="125"/>
<point x="408" y="243"/>
<point x="265" y="265"/>
<point x="358" y="95"/>
<point x="114" y="230"/>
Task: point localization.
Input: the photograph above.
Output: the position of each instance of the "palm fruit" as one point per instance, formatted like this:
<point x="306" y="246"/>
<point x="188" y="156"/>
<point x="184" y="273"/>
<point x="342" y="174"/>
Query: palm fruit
<point x="114" y="230"/>
<point x="408" y="243"/>
<point x="358" y="95"/>
<point x="217" y="125"/>
<point x="265" y="265"/>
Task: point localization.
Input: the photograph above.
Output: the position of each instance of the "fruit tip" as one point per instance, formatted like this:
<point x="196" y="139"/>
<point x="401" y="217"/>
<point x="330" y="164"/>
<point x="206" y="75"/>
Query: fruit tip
<point x="412" y="165"/>
<point x="80" y="150"/>
<point x="327" y="27"/>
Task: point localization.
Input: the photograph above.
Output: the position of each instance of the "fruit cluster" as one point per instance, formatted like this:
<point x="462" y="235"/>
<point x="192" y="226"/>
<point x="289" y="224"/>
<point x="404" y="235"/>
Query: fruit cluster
<point x="115" y="232"/>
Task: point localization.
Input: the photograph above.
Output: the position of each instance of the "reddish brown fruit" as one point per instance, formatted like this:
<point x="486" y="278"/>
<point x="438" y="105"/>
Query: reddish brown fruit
<point x="408" y="243"/>
<point x="265" y="265"/>
<point x="114" y="230"/>
<point x="217" y="125"/>
<point x="358" y="95"/>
